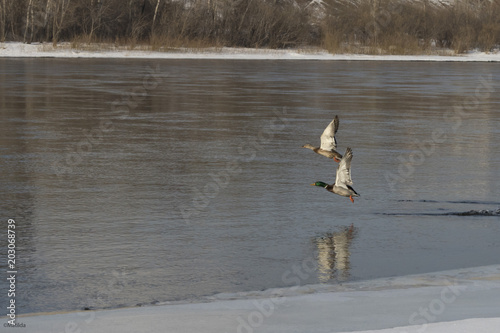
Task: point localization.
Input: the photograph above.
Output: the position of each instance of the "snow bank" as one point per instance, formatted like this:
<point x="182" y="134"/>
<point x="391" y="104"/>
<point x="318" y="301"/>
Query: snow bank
<point x="482" y="325"/>
<point x="64" y="50"/>
<point x="452" y="301"/>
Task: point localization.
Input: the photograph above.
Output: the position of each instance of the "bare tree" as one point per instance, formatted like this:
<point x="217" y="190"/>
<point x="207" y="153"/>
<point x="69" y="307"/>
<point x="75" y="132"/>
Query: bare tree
<point x="3" y="22"/>
<point x="154" y="16"/>
<point x="48" y="14"/>
<point x="137" y="25"/>
<point x="96" y="11"/>
<point x="29" y="22"/>
<point x="58" y="22"/>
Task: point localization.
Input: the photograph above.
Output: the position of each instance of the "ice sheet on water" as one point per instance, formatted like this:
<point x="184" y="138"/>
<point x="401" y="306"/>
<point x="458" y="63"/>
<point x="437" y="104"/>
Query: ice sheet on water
<point x="482" y="212"/>
<point x="426" y="207"/>
<point x="436" y="279"/>
<point x="473" y="212"/>
<point x="383" y="305"/>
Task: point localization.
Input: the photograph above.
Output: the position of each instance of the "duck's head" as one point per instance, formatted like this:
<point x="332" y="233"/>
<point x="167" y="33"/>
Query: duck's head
<point x="319" y="184"/>
<point x="308" y="146"/>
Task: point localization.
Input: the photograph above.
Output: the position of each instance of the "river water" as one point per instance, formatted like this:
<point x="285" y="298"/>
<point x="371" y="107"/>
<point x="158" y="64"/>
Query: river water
<point x="134" y="182"/>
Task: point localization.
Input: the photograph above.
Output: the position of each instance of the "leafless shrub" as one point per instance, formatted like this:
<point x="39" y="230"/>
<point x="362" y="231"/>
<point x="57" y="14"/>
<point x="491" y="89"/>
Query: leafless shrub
<point x="406" y="26"/>
<point x="360" y="26"/>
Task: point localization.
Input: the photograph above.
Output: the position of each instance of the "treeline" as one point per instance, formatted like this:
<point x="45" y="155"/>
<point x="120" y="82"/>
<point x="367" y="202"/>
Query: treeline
<point x="405" y="26"/>
<point x="362" y="26"/>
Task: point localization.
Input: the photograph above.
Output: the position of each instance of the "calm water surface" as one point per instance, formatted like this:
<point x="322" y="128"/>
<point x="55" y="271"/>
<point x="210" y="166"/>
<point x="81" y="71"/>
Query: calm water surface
<point x="136" y="182"/>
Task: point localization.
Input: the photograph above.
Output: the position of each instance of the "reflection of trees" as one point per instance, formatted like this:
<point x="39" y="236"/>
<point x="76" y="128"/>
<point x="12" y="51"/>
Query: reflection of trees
<point x="333" y="254"/>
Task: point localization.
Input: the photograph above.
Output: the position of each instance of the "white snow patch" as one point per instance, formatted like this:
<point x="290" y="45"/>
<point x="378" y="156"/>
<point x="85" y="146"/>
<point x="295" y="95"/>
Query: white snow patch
<point x="457" y="301"/>
<point x="64" y="50"/>
<point x="478" y="325"/>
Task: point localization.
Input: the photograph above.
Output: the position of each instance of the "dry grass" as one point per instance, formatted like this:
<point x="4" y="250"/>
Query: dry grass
<point x="342" y="26"/>
<point x="411" y="27"/>
<point x="164" y="43"/>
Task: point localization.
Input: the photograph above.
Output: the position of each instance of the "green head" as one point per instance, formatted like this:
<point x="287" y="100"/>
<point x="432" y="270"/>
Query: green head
<point x="320" y="184"/>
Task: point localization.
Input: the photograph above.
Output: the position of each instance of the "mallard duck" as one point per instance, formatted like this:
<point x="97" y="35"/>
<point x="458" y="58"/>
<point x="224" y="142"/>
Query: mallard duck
<point x="343" y="181"/>
<point x="328" y="142"/>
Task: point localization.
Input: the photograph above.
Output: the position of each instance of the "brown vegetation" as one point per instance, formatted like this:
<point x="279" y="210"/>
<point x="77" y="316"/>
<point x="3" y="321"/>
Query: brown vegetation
<point x="405" y="26"/>
<point x="359" y="26"/>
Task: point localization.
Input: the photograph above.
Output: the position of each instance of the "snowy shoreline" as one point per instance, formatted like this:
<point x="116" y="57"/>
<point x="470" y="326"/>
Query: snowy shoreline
<point x="64" y="50"/>
<point x="463" y="300"/>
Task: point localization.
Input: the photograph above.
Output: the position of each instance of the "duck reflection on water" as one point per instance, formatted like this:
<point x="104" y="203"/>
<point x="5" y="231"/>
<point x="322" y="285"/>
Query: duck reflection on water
<point x="334" y="255"/>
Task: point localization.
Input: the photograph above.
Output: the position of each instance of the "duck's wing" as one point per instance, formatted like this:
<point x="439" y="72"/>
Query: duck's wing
<point x="343" y="177"/>
<point x="328" y="141"/>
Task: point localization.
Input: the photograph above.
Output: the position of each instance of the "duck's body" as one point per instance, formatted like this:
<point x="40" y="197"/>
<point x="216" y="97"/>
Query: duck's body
<point x="328" y="142"/>
<point x="343" y="181"/>
<point x="347" y="191"/>
<point x="333" y="154"/>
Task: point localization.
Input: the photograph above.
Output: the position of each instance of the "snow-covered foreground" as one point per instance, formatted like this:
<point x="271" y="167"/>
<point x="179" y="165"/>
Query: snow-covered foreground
<point x="455" y="301"/>
<point x="65" y="51"/>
